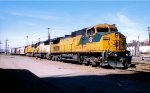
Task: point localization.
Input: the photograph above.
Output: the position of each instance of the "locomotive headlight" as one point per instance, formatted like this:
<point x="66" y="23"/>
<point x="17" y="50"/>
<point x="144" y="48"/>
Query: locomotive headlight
<point x="115" y="55"/>
<point x="116" y="35"/>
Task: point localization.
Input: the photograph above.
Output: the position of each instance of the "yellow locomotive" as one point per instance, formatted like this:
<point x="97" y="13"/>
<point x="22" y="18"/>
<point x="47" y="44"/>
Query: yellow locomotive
<point x="28" y="50"/>
<point x="39" y="49"/>
<point x="101" y="44"/>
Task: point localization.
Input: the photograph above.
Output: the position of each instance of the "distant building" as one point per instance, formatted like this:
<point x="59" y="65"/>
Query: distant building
<point x="138" y="48"/>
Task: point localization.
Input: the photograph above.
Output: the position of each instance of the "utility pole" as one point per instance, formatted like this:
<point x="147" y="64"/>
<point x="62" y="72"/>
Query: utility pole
<point x="39" y="44"/>
<point x="149" y="37"/>
<point x="39" y="47"/>
<point x="48" y="34"/>
<point x="138" y="46"/>
<point x="6" y="46"/>
<point x="135" y="46"/>
<point x="49" y="39"/>
<point x="39" y="40"/>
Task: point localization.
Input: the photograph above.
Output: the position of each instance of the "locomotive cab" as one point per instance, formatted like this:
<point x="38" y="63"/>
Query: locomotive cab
<point x="101" y="28"/>
<point x="112" y="44"/>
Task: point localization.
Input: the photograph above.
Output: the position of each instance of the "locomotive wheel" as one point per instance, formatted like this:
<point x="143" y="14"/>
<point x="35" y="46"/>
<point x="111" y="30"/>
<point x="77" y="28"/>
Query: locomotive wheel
<point x="58" y="59"/>
<point x="53" y="59"/>
<point x="93" y="64"/>
<point x="80" y="62"/>
<point x="97" y="64"/>
<point x="126" y="65"/>
<point x="44" y="56"/>
<point x="100" y="63"/>
<point x="87" y="63"/>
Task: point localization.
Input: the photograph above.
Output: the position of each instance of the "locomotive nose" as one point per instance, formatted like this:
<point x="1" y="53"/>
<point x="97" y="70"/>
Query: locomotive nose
<point x="114" y="42"/>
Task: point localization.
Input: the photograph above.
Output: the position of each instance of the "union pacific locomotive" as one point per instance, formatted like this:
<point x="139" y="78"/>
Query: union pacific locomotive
<point x="98" y="45"/>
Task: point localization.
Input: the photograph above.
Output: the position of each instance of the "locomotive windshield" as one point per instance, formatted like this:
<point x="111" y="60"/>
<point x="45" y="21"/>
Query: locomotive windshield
<point x="102" y="30"/>
<point x="113" y="29"/>
<point x="107" y="29"/>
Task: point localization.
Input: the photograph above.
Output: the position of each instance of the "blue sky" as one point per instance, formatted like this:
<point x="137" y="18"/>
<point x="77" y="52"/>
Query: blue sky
<point x="19" y="19"/>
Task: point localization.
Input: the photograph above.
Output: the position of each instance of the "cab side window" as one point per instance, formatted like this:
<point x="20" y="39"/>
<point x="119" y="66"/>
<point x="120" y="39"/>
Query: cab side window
<point x="88" y="32"/>
<point x="91" y="31"/>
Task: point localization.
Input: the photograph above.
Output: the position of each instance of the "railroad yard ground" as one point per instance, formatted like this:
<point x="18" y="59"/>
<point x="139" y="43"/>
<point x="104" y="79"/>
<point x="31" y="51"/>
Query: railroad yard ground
<point x="21" y="74"/>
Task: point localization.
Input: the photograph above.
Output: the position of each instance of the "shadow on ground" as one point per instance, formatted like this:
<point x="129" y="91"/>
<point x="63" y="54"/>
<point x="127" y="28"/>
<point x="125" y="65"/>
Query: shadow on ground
<point x="23" y="81"/>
